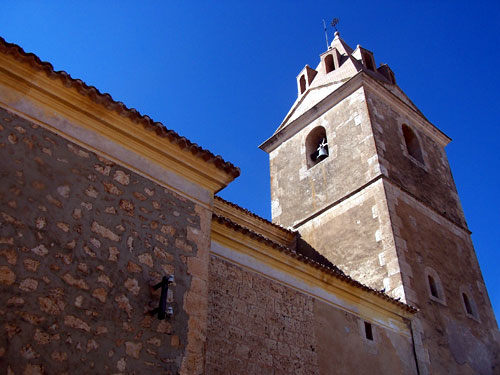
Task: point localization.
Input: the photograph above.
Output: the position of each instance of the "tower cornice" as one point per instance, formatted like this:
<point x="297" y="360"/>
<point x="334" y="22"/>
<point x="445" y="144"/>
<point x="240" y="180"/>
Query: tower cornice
<point x="393" y="183"/>
<point x="361" y="79"/>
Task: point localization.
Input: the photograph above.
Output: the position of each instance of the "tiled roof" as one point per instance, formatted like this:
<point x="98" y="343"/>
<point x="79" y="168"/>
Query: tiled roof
<point x="326" y="267"/>
<point x="247" y="212"/>
<point x="107" y="101"/>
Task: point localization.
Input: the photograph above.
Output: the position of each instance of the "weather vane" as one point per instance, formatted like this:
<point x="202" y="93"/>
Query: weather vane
<point x="334" y="24"/>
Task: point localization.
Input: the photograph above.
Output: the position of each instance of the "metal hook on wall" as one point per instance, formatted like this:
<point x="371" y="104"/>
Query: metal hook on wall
<point x="162" y="310"/>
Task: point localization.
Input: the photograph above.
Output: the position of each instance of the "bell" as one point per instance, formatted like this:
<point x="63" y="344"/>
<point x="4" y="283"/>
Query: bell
<point x="322" y="151"/>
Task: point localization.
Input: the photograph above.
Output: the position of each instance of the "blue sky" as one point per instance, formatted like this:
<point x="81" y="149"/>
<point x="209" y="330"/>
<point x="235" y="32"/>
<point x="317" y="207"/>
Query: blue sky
<point x="223" y="75"/>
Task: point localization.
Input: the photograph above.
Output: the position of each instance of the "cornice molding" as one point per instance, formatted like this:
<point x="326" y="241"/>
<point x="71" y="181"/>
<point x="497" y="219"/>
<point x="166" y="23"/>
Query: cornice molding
<point x="253" y="222"/>
<point x="426" y="206"/>
<point x="368" y="184"/>
<point x="26" y="90"/>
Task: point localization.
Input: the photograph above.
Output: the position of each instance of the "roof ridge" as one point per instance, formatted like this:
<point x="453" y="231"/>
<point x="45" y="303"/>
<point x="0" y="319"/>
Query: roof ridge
<point x="332" y="271"/>
<point x="107" y="101"/>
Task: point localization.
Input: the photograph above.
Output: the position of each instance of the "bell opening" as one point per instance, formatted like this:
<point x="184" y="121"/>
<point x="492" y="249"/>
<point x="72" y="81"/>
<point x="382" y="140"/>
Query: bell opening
<point x="316" y="146"/>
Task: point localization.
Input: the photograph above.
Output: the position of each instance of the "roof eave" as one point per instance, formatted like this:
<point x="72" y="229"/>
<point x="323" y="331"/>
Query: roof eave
<point x="29" y="79"/>
<point x="223" y="227"/>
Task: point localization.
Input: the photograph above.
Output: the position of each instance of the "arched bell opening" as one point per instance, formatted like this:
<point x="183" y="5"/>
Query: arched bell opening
<point x="412" y="144"/>
<point x="302" y="83"/>
<point x="369" y="61"/>
<point x="316" y="146"/>
<point x="329" y="64"/>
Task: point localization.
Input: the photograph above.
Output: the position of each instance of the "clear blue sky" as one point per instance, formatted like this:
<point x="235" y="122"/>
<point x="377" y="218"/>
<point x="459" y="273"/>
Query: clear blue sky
<point x="222" y="73"/>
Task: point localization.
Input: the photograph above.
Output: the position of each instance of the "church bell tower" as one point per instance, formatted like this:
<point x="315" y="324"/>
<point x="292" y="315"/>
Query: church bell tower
<point x="363" y="176"/>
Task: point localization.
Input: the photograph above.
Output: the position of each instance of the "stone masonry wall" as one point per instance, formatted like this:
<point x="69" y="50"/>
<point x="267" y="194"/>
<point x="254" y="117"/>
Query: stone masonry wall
<point x="256" y="326"/>
<point x="259" y="326"/>
<point x="433" y="182"/>
<point x="82" y="241"/>
<point x="356" y="235"/>
<point x="454" y="341"/>
<point x="298" y="191"/>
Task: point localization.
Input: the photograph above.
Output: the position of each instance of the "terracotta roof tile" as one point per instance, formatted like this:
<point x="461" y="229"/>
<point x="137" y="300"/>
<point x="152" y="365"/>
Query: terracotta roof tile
<point x="107" y="101"/>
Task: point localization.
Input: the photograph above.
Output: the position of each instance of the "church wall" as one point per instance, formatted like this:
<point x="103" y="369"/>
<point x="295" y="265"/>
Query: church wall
<point x="296" y="191"/>
<point x="453" y="341"/>
<point x="344" y="350"/>
<point x="257" y="325"/>
<point x="82" y="241"/>
<point x="432" y="181"/>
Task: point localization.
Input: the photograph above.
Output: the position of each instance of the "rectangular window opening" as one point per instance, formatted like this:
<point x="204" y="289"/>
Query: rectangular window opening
<point x="368" y="331"/>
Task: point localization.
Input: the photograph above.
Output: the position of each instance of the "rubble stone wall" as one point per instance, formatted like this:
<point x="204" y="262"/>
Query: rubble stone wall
<point x="82" y="241"/>
<point x="260" y="326"/>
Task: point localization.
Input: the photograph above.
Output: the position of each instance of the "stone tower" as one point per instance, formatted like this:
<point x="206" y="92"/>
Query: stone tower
<point x="363" y="176"/>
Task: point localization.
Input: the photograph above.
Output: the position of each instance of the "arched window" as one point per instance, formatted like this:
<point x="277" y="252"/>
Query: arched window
<point x="468" y="303"/>
<point x="302" y="83"/>
<point x="433" y="286"/>
<point x="412" y="144"/>
<point x="316" y="146"/>
<point x="329" y="65"/>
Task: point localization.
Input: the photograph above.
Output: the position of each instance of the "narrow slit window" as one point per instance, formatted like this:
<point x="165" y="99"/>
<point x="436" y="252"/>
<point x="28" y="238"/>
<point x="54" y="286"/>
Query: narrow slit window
<point x="467" y="304"/>
<point x="433" y="286"/>
<point x="368" y="331"/>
